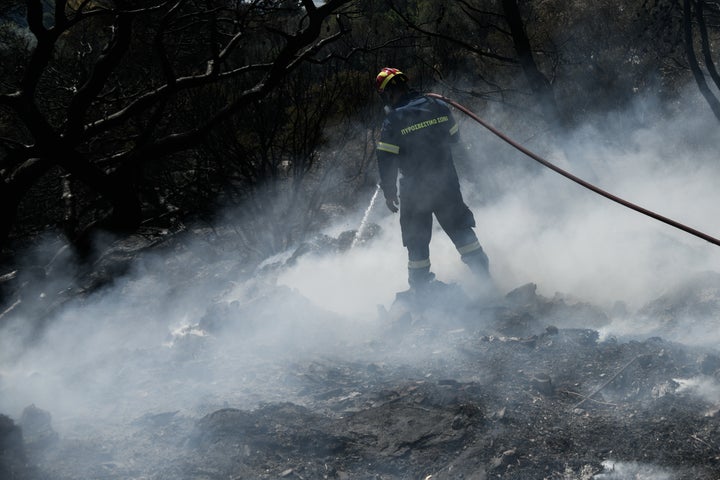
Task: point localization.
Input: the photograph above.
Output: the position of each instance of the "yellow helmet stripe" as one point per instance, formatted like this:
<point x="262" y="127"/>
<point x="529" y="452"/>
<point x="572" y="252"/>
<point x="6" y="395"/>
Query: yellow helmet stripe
<point x="387" y="79"/>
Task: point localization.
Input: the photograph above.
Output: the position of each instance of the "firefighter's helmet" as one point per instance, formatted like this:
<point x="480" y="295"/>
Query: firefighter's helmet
<point x="389" y="76"/>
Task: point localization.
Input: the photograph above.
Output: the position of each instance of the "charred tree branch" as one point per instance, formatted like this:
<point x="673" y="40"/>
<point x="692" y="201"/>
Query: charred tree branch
<point x="472" y="48"/>
<point x="116" y="49"/>
<point x="303" y="45"/>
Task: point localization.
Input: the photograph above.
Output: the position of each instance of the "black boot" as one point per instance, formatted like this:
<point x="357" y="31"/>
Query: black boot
<point x="420" y="278"/>
<point x="478" y="263"/>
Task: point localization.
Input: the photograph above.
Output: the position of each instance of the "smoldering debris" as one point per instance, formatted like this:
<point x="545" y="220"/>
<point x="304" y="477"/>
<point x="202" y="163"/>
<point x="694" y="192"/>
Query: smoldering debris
<point x="470" y="397"/>
<point x="250" y="378"/>
<point x="623" y="470"/>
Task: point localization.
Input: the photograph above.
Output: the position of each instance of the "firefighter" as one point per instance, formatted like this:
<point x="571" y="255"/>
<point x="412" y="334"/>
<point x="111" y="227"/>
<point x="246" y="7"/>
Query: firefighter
<point x="415" y="143"/>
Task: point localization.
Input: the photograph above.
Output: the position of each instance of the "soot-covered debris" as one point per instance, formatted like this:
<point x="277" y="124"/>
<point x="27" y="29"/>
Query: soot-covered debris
<point x="515" y="387"/>
<point x="432" y="402"/>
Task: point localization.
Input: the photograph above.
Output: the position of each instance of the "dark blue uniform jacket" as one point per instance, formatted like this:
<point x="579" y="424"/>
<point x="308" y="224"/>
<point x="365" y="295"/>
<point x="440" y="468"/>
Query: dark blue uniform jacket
<point x="415" y="140"/>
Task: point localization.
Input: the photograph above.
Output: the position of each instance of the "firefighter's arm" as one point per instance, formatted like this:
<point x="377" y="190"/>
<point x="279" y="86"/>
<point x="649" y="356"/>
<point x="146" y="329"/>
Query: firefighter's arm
<point x="388" y="151"/>
<point x="387" y="166"/>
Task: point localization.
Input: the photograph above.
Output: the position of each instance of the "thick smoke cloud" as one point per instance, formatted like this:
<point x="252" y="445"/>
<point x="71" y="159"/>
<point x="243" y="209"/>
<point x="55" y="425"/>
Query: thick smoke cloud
<point x="538" y="226"/>
<point x="113" y="355"/>
<point x="571" y="240"/>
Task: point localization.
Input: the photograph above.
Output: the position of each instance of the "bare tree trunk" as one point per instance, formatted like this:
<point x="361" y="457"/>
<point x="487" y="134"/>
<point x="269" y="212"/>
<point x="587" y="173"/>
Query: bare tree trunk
<point x="13" y="190"/>
<point x="705" y="43"/>
<point x="695" y="68"/>
<point x="538" y="83"/>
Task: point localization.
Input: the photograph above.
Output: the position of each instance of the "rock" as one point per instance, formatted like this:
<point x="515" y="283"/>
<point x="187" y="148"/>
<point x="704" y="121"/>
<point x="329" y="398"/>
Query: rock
<point x="527" y="309"/>
<point x="37" y="427"/>
<point x="508" y="457"/>
<point x="551" y="330"/>
<point x="524" y="295"/>
<point x="543" y="383"/>
<point x="12" y="450"/>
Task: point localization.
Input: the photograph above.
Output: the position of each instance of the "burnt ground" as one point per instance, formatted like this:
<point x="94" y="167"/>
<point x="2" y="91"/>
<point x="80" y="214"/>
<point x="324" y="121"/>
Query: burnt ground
<point x="510" y="387"/>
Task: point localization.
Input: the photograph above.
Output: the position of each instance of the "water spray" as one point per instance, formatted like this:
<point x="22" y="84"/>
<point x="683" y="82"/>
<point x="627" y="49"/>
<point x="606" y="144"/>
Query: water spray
<point x="363" y="223"/>
<point x="572" y="177"/>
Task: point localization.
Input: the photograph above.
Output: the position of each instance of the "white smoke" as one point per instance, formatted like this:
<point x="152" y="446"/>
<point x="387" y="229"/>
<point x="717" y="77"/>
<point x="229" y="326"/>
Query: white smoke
<point x="633" y="471"/>
<point x="110" y="355"/>
<point x="540" y="227"/>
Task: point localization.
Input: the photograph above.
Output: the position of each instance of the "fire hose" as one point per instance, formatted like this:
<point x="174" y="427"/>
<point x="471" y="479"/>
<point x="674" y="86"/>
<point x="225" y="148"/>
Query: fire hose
<point x="574" y="178"/>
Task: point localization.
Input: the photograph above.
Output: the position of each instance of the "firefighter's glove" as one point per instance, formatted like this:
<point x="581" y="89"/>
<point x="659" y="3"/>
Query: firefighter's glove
<point x="392" y="203"/>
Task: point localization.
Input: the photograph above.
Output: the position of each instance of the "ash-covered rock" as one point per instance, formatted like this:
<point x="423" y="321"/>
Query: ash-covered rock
<point x="526" y="310"/>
